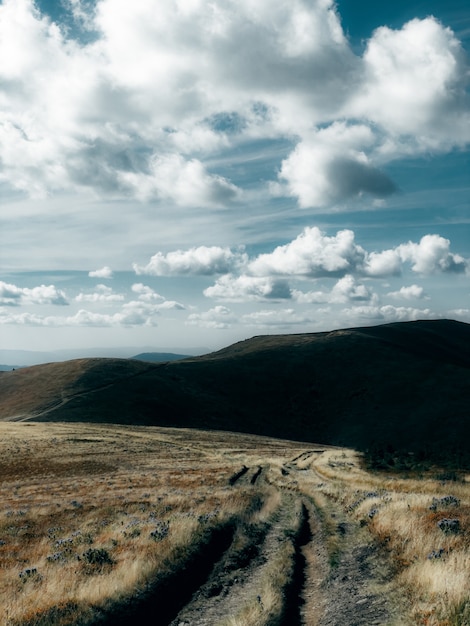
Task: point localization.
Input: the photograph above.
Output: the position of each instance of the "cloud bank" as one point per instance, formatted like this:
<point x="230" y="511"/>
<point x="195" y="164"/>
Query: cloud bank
<point x="310" y="256"/>
<point x="86" y="115"/>
<point x="11" y="295"/>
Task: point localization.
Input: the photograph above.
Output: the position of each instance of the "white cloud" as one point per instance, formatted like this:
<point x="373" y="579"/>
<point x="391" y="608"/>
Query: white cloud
<point x="462" y="315"/>
<point x="414" y="84"/>
<point x="146" y="293"/>
<point x="219" y="318"/>
<point x="95" y="117"/>
<point x="275" y="318"/>
<point x="432" y="255"/>
<point x="429" y="256"/>
<point x="386" y="314"/>
<point x="88" y="318"/>
<point x="24" y="319"/>
<point x="331" y="166"/>
<point x="131" y="314"/>
<point x="244" y="288"/>
<point x="82" y="12"/>
<point x="171" y="305"/>
<point x="12" y="295"/>
<point x="312" y="254"/>
<point x="345" y="290"/>
<point x="103" y="295"/>
<point x="182" y="56"/>
<point x="187" y="183"/>
<point x="412" y="292"/>
<point x="202" y="260"/>
<point x="385" y="263"/>
<point x="104" y="272"/>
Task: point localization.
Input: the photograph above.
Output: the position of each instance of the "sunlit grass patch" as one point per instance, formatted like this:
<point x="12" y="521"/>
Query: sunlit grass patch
<point x="422" y="522"/>
<point x="90" y="514"/>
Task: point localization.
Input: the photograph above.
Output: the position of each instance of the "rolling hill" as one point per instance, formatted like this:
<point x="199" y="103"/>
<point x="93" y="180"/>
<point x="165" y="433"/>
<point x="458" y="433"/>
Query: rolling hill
<point x="158" y="357"/>
<point x="402" y="386"/>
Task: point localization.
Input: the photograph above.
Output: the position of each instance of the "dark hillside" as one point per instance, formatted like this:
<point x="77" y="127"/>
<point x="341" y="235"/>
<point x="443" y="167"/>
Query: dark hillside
<point x="404" y="386"/>
<point x="159" y="357"/>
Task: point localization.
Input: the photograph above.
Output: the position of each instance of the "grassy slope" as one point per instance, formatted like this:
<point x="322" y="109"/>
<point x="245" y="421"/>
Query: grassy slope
<point x="122" y="525"/>
<point x="404" y="385"/>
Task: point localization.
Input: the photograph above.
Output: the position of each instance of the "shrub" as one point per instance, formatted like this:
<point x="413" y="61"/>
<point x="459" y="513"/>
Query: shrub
<point x="97" y="556"/>
<point x="161" y="531"/>
<point x="449" y="525"/>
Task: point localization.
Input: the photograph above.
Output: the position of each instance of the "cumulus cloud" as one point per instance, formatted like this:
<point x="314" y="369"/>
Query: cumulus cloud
<point x="11" y="295"/>
<point x="141" y="312"/>
<point x="104" y="272"/>
<point x="146" y="293"/>
<point x="432" y="254"/>
<point x="412" y="292"/>
<point x="219" y="318"/>
<point x="387" y="313"/>
<point x="131" y="314"/>
<point x="89" y="116"/>
<point x="331" y="166"/>
<point x="345" y="290"/>
<point x="202" y="260"/>
<point x="150" y="302"/>
<point x="103" y="295"/>
<point x="312" y="254"/>
<point x="243" y="288"/>
<point x="89" y="318"/>
<point x="384" y="263"/>
<point x="414" y="84"/>
<point x="276" y="318"/>
<point x="187" y="183"/>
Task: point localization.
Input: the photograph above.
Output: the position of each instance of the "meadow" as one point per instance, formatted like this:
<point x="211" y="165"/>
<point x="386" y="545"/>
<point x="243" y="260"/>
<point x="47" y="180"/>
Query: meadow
<point x="112" y="524"/>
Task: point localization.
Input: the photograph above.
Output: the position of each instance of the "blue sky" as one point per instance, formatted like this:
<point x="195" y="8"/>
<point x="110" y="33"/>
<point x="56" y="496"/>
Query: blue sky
<point x="180" y="173"/>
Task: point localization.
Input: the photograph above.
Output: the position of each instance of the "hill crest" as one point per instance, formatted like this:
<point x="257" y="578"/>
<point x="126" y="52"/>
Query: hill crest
<point x="405" y="385"/>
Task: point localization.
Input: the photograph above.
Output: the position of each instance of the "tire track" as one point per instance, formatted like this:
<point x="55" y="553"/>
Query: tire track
<point x="238" y="580"/>
<point x="232" y="576"/>
<point x="236" y="477"/>
<point x="256" y="475"/>
<point x="161" y="602"/>
<point x="293" y="593"/>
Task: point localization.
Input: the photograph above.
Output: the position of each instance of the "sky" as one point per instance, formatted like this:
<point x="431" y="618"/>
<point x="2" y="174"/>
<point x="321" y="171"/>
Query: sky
<point x="181" y="173"/>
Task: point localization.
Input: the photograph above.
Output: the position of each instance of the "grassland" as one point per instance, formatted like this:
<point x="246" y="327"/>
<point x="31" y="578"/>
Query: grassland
<point x="106" y="524"/>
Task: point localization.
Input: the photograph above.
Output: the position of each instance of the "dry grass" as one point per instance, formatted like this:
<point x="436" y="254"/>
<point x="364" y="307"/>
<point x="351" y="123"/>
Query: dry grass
<point x="90" y="514"/>
<point x="432" y="566"/>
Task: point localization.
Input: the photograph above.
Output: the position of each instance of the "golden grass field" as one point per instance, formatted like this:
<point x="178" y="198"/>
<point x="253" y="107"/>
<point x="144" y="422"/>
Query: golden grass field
<point x="198" y="527"/>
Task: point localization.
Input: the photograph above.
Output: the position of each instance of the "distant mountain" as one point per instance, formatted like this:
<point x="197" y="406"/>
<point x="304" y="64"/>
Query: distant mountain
<point x="403" y="386"/>
<point x="31" y="357"/>
<point x="158" y="357"/>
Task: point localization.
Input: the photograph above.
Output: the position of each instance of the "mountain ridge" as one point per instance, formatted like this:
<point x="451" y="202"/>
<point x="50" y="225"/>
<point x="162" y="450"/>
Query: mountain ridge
<point x="404" y="385"/>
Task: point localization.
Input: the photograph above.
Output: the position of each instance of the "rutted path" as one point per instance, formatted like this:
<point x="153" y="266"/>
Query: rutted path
<point x="238" y="580"/>
<point x="294" y="592"/>
<point x="167" y="596"/>
<point x="326" y="568"/>
<point x="351" y="581"/>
